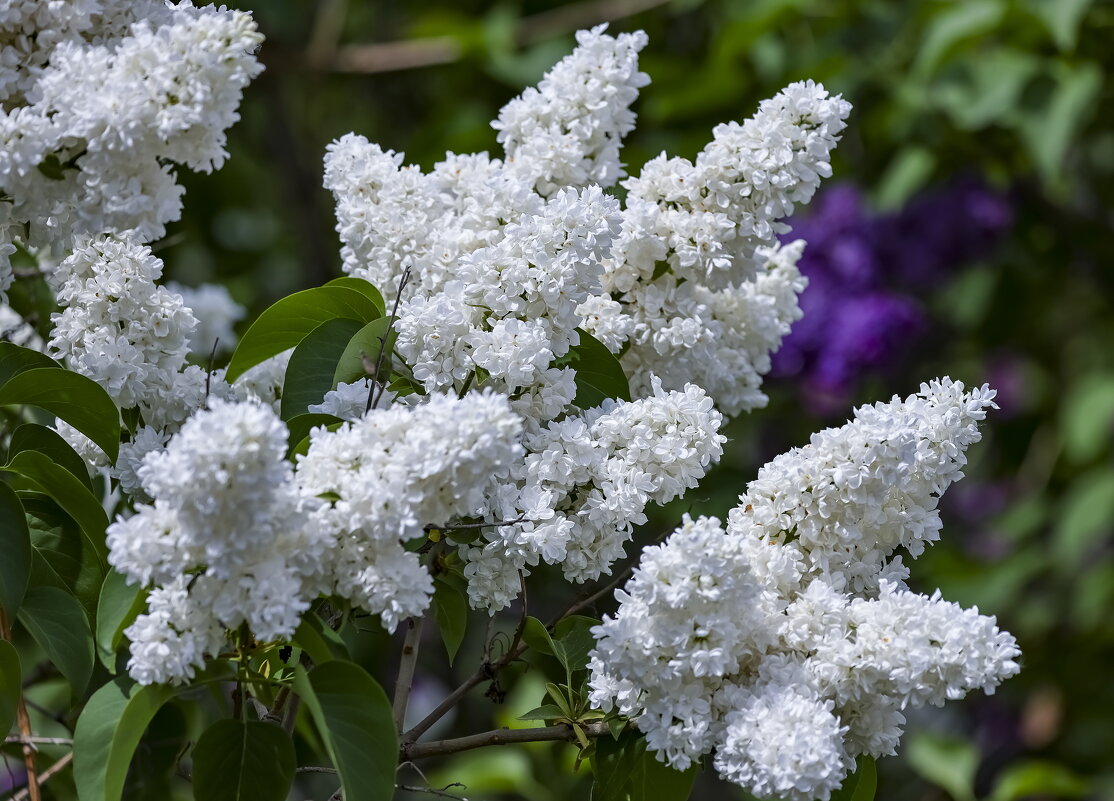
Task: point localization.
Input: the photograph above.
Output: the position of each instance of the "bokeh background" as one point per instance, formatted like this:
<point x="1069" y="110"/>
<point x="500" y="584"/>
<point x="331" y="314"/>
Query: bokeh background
<point x="968" y="231"/>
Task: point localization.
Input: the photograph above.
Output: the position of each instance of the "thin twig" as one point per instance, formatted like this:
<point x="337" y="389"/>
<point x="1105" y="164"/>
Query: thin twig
<point x="406" y="668"/>
<point x="441" y="793"/>
<point x="374" y="397"/>
<point x="559" y="732"/>
<point x="209" y="372"/>
<point x="36" y="740"/>
<point x="434" y="50"/>
<point x="315" y="769"/>
<point x="24" y="725"/>
<point x="482" y="524"/>
<point x="28" y="793"/>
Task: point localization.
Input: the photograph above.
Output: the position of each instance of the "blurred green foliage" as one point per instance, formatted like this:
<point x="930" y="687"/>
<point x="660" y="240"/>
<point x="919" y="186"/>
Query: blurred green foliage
<point x="1018" y="91"/>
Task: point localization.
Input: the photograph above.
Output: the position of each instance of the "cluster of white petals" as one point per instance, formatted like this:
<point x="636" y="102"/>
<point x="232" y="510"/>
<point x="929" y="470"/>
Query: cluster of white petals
<point x="98" y="99"/>
<point x="787" y="642"/>
<point x="395" y="471"/>
<point x="585" y="483"/>
<point x="228" y="540"/>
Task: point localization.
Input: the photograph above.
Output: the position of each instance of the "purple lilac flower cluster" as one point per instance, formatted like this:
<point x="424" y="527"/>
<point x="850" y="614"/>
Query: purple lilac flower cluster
<point x="860" y="309"/>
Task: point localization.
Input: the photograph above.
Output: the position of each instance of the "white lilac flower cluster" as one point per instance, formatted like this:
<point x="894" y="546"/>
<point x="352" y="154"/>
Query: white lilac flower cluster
<point x="98" y="99"/>
<point x="236" y="535"/>
<point x="229" y="540"/>
<point x="788" y="643"/>
<point x="685" y="280"/>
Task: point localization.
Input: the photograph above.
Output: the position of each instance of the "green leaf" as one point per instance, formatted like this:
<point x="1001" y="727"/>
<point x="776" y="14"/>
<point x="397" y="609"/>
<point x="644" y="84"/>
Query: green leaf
<point x="364" y="287"/>
<point x="58" y="623"/>
<point x="243" y="761"/>
<point x="862" y="785"/>
<point x="960" y="23"/>
<point x="288" y="321"/>
<point x="78" y="400"/>
<point x="535" y="635"/>
<point x="624" y="770"/>
<point x="1038" y="778"/>
<point x="74" y="497"/>
<point x="61" y="556"/>
<point x="599" y="375"/>
<point x="353" y="715"/>
<point x="362" y="352"/>
<point x="450" y="608"/>
<point x="300" y="425"/>
<point x="572" y="639"/>
<point x="11" y="685"/>
<point x="1086" y="415"/>
<point x="118" y="606"/>
<point x="152" y="775"/>
<point x="15" y="551"/>
<point x="905" y="173"/>
<point x="34" y="437"/>
<point x="318" y="640"/>
<point x="15" y="360"/>
<point x="544" y="712"/>
<point x="108" y="731"/>
<point x="1050" y="132"/>
<point x="1085" y="515"/>
<point x="944" y="761"/>
<point x="1062" y="18"/>
<point x="309" y="375"/>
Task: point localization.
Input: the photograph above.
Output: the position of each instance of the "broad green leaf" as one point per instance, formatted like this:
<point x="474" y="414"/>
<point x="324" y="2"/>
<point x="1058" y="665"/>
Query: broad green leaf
<point x="11" y="685"/>
<point x="74" y="497"/>
<point x="364" y="287"/>
<point x="544" y="712"/>
<point x="15" y="551"/>
<point x="599" y="375"/>
<point x="1038" y="778"/>
<point x="300" y="425"/>
<point x="108" y="731"/>
<point x="243" y="761"/>
<point x="1086" y="414"/>
<point x="535" y="635"/>
<point x="992" y="90"/>
<point x="78" y="400"/>
<point x="318" y="640"/>
<point x="961" y="22"/>
<point x="947" y="762"/>
<point x="361" y="355"/>
<point x="905" y="173"/>
<point x="860" y="785"/>
<point x="572" y="640"/>
<point x="58" y="623"/>
<point x="450" y="608"/>
<point x="288" y="321"/>
<point x="309" y="375"/>
<point x="1085" y="515"/>
<point x="34" y="437"/>
<point x="61" y="556"/>
<point x="152" y="775"/>
<point x="624" y="770"/>
<point x="353" y="715"/>
<point x="119" y="605"/>
<point x="1050" y="132"/>
<point x="15" y="360"/>
<point x="1062" y="18"/>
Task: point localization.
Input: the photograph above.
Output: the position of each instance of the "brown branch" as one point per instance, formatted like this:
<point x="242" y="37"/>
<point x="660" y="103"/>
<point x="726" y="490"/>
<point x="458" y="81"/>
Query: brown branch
<point x="560" y="732"/>
<point x="406" y="668"/>
<point x="24" y="726"/>
<point x="27" y="793"/>
<point x="36" y="740"/>
<point x="434" y="50"/>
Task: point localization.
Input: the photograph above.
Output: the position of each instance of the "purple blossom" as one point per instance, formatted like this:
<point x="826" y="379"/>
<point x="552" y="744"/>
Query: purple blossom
<point x="860" y="312"/>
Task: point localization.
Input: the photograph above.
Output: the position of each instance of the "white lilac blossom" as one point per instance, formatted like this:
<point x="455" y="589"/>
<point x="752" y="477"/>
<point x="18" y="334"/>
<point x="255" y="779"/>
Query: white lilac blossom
<point x="784" y="643"/>
<point x="118" y="327"/>
<point x="228" y="540"/>
<point x="568" y="131"/>
<point x="216" y="314"/>
<point x="391" y="473"/>
<point x="686" y="282"/>
<point x="98" y="99"/>
<point x="586" y="483"/>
